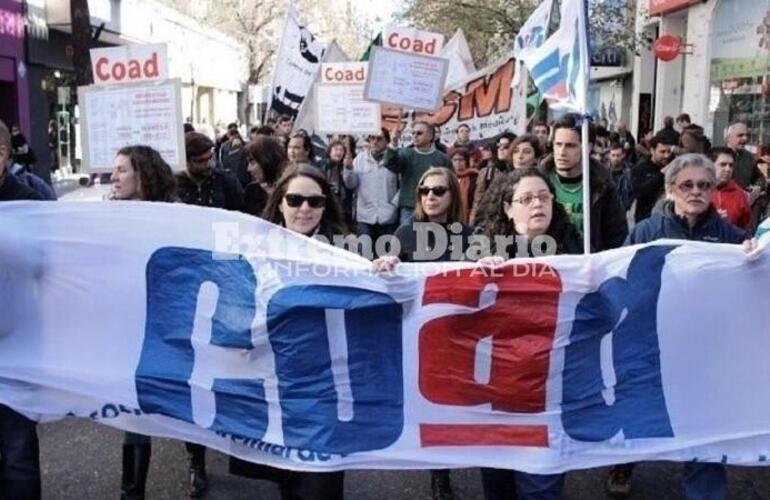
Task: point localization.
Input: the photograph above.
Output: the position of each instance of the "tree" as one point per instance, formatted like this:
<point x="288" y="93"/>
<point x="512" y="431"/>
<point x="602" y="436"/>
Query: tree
<point x="491" y="25"/>
<point x="81" y="41"/>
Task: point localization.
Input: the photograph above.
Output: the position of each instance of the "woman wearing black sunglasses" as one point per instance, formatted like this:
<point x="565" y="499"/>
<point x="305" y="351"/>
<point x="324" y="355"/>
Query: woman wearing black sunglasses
<point x="438" y="216"/>
<point x="302" y="202"/>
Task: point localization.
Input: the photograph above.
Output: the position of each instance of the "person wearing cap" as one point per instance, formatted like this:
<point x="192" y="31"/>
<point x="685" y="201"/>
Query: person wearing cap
<point x="200" y="183"/>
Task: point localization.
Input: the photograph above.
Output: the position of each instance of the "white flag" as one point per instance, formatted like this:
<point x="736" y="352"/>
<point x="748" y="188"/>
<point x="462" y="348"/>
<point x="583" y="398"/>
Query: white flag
<point x="531" y="35"/>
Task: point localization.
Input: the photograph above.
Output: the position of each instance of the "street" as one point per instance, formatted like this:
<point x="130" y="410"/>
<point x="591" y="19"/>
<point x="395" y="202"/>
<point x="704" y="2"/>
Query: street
<point x="81" y="461"/>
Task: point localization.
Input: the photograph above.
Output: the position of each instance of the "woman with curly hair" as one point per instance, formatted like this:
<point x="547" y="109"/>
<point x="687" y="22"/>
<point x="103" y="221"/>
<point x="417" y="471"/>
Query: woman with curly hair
<point x="522" y="204"/>
<point x="139" y="173"/>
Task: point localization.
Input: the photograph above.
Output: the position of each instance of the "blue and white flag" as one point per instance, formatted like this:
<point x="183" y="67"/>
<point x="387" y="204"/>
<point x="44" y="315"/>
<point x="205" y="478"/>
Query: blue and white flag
<point x="531" y="35"/>
<point x="560" y="66"/>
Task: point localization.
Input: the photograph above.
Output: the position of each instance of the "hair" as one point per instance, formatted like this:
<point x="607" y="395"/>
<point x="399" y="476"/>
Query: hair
<point x="307" y="142"/>
<point x="491" y="219"/>
<point x="532" y="141"/>
<point x="660" y="139"/>
<point x="690" y="160"/>
<point x="270" y="155"/>
<point x="506" y="135"/>
<point x="462" y="125"/>
<point x="332" y="220"/>
<point x="731" y="128"/>
<point x="572" y="121"/>
<point x="715" y="152"/>
<point x="5" y="137"/>
<point x="616" y="145"/>
<point x="386" y="134"/>
<point x="155" y="176"/>
<point x="464" y="153"/>
<point x="541" y="123"/>
<point x="263" y="130"/>
<point x="332" y="144"/>
<point x="668" y="122"/>
<point x="684" y="117"/>
<point x="197" y="144"/>
<point x="188" y="127"/>
<point x="428" y="126"/>
<point x="455" y="207"/>
<point x="283" y="119"/>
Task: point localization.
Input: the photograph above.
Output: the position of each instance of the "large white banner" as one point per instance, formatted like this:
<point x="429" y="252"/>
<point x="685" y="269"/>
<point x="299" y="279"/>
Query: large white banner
<point x="296" y="66"/>
<point x="219" y="328"/>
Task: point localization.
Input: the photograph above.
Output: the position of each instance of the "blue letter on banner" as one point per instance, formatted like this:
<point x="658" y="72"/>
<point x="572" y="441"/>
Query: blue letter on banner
<point x="639" y="409"/>
<point x="174" y="279"/>
<point x="296" y="318"/>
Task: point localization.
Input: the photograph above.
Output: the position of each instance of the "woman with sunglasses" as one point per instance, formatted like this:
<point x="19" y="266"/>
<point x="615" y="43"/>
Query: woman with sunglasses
<point x="522" y="204"/>
<point x="302" y="202"/>
<point x="438" y="208"/>
<point x="686" y="214"/>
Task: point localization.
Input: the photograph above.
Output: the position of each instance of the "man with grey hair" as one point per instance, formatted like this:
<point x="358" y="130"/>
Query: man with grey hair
<point x="745" y="170"/>
<point x="687" y="214"/>
<point x="20" y="465"/>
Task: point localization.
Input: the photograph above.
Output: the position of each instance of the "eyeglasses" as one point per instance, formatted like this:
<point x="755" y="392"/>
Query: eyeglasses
<point x="296" y="200"/>
<point x="529" y="199"/>
<point x="436" y="190"/>
<point x="202" y="161"/>
<point x="688" y="186"/>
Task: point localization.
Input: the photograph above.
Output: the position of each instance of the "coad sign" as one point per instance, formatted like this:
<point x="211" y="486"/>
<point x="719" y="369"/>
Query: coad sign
<point x="348" y="73"/>
<point x="413" y="41"/>
<point x="129" y="64"/>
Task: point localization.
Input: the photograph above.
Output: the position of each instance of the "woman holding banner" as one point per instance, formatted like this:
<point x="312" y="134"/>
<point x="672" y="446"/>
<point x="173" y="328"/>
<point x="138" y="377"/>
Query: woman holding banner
<point x="302" y="202"/>
<point x="522" y="204"/>
<point x="139" y="173"/>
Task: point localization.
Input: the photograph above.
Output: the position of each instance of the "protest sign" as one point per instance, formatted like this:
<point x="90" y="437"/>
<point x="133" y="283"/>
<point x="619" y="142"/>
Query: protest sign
<point x="277" y="348"/>
<point x="306" y="119"/>
<point x="297" y="63"/>
<point x="340" y="104"/>
<point x="413" y="41"/>
<point x="129" y="63"/>
<point x="404" y="79"/>
<point x="114" y="116"/>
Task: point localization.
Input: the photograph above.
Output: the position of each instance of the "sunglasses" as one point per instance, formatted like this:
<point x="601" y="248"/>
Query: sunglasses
<point x="436" y="190"/>
<point x="296" y="200"/>
<point x="688" y="186"/>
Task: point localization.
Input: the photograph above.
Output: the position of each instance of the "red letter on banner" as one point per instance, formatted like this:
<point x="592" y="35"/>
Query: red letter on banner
<point x="521" y="324"/>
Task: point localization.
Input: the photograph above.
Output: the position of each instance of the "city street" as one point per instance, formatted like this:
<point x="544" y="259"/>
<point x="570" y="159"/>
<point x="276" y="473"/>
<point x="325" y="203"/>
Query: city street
<point x="81" y="461"/>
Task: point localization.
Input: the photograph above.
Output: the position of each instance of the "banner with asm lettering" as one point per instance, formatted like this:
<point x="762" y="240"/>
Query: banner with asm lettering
<point x="222" y="329"/>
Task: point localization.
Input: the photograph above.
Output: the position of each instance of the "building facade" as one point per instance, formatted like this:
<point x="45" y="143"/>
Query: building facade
<point x="14" y="95"/>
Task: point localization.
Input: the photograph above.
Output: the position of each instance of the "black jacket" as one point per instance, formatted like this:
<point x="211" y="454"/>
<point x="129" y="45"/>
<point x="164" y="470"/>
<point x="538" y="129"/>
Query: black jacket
<point x="647" y="182"/>
<point x="218" y="191"/>
<point x="609" y="227"/>
<point x="11" y="189"/>
<point x="664" y="223"/>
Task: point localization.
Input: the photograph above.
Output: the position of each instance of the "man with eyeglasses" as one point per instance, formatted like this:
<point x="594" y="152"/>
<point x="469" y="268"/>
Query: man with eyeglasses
<point x="647" y="176"/>
<point x="411" y="162"/>
<point x="200" y="183"/>
<point x="376" y="188"/>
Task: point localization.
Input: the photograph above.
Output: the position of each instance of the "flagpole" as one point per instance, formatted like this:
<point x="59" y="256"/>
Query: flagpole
<point x="586" y="187"/>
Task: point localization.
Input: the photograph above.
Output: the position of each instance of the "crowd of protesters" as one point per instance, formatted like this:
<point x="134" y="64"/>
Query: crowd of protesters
<point x="669" y="184"/>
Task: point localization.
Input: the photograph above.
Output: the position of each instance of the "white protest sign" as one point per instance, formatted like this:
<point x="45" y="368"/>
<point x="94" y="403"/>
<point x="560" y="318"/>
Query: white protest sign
<point x="129" y="63"/>
<point x="413" y="41"/>
<point x="342" y="109"/>
<point x="349" y="73"/>
<point x="122" y="115"/>
<point x="409" y="80"/>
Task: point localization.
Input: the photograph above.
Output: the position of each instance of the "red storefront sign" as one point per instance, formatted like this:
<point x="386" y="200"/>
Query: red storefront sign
<point x="667" y="47"/>
<point x="658" y="7"/>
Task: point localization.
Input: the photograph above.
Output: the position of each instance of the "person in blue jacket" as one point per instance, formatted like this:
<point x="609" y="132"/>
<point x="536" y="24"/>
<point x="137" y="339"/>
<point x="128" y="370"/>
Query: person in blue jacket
<point x="686" y="214"/>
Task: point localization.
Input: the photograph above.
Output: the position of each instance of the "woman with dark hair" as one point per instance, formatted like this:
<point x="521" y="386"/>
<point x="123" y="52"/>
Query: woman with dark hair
<point x="525" y="151"/>
<point x="266" y="161"/>
<point x="300" y="147"/>
<point x="302" y="202"/>
<point x="466" y="176"/>
<point x="140" y="173"/>
<point x="499" y="163"/>
<point x="522" y="204"/>
<point x="339" y="156"/>
<point x="438" y="206"/>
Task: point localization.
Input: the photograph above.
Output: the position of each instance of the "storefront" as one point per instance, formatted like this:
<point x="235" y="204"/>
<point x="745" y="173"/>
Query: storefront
<point x="740" y="68"/>
<point x="14" y="98"/>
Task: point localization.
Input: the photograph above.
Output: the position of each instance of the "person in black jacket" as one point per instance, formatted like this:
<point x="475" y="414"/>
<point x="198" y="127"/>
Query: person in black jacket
<point x="201" y="184"/>
<point x="267" y="160"/>
<point x="20" y="464"/>
<point x="565" y="172"/>
<point x="647" y="176"/>
<point x="687" y="214"/>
